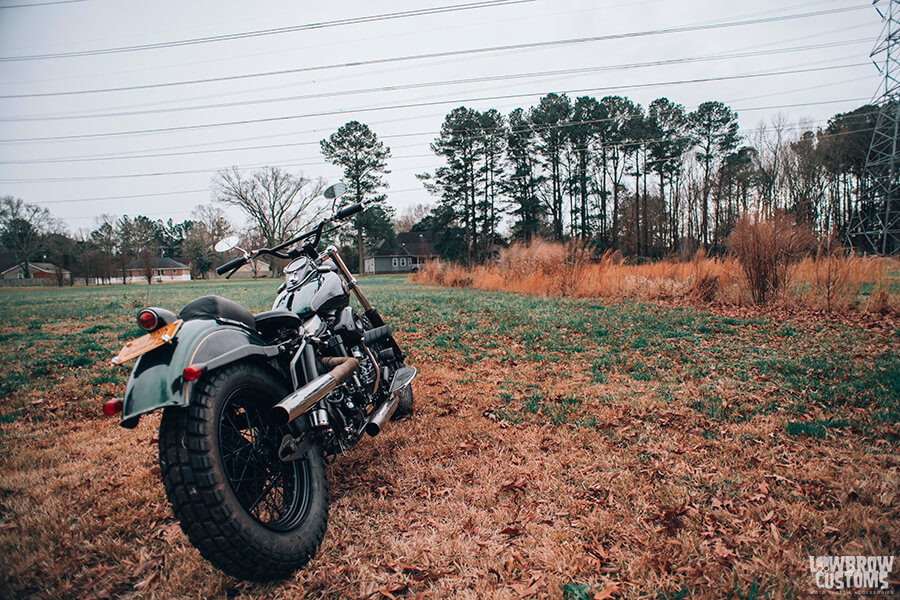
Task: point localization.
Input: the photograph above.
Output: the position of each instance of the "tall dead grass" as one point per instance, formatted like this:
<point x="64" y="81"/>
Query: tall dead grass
<point x="832" y="279"/>
<point x="766" y="249"/>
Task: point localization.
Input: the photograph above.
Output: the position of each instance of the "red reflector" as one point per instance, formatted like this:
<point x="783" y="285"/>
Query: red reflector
<point x="147" y="320"/>
<point x="191" y="373"/>
<point x="111" y="407"/>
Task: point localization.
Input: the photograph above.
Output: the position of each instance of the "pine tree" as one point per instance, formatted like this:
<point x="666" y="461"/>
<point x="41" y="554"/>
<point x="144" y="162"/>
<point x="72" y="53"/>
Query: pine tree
<point x="363" y="157"/>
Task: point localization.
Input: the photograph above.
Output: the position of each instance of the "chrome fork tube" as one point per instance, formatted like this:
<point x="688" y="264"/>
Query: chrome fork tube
<point x="334" y="255"/>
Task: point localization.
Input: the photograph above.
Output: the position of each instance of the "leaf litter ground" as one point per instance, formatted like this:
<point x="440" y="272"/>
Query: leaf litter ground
<point x="560" y="448"/>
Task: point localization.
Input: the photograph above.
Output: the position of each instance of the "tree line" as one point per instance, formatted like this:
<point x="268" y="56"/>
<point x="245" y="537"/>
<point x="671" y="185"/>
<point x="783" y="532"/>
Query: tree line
<point x="278" y="204"/>
<point x="645" y="181"/>
<point x="115" y="246"/>
<point x="606" y="172"/>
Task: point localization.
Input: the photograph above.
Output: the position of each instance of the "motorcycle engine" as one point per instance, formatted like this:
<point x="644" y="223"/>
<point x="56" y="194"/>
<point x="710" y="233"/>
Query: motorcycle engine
<point x="349" y="327"/>
<point x="366" y="370"/>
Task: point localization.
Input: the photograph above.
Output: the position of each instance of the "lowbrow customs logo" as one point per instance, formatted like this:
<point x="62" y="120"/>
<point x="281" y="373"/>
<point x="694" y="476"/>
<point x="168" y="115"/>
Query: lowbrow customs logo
<point x="851" y="573"/>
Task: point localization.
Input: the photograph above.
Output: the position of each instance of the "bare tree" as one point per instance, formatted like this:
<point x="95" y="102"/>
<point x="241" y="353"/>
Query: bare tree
<point x="771" y="144"/>
<point x="209" y="225"/>
<point x="22" y="227"/>
<point x="278" y="203"/>
<point x="411" y="215"/>
<point x="213" y="220"/>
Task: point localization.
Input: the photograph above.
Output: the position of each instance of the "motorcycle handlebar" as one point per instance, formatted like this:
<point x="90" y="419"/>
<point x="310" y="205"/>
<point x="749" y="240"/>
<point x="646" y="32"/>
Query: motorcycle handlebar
<point x="347" y="211"/>
<point x="308" y="247"/>
<point x="231" y="264"/>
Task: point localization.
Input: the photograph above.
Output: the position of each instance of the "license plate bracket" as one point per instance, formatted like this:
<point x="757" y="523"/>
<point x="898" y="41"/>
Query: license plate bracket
<point x="146" y="343"/>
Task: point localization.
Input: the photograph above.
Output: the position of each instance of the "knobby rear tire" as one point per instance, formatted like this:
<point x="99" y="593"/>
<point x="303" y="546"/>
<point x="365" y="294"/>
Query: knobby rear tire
<point x="249" y="514"/>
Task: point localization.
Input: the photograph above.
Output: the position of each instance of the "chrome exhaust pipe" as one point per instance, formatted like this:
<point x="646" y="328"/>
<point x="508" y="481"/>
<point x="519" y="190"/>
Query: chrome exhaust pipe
<point x="402" y="378"/>
<point x="381" y="415"/>
<point x="295" y="404"/>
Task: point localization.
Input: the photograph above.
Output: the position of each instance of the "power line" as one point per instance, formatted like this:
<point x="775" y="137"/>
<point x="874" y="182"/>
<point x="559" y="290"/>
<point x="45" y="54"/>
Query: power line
<point x="184" y="172"/>
<point x="41" y="4"/>
<point x="162" y="150"/>
<point x="266" y="32"/>
<point x="820" y="34"/>
<point x="124" y="197"/>
<point x="105" y="158"/>
<point x="133" y="196"/>
<point x="480" y="133"/>
<point x="508" y="47"/>
<point x="109" y="157"/>
<point x="411" y="86"/>
<point x="422" y="104"/>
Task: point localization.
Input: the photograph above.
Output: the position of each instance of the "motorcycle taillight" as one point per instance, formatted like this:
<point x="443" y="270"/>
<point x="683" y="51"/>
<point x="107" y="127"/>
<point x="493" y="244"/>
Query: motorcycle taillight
<point x="147" y="320"/>
<point x="111" y="407"/>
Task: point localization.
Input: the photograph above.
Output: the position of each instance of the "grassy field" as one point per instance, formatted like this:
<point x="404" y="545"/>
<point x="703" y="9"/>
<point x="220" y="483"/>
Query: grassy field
<point x="561" y="448"/>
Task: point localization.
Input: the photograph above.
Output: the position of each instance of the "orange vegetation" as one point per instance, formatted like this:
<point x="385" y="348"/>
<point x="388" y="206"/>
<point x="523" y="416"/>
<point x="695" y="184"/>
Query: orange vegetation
<point x="828" y="280"/>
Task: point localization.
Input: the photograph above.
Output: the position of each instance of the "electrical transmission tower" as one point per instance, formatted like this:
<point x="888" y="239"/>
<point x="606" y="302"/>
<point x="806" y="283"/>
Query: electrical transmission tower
<point x="877" y="221"/>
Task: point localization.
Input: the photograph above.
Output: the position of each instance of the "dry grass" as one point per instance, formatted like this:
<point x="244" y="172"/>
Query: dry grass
<point x="831" y="280"/>
<point x="558" y="445"/>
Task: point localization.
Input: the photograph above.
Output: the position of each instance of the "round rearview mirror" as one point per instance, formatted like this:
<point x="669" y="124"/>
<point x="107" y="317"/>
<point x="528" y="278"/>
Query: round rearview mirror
<point x="226" y="244"/>
<point x="335" y="190"/>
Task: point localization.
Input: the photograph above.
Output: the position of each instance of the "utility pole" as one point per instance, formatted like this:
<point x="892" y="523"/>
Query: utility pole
<point x="877" y="224"/>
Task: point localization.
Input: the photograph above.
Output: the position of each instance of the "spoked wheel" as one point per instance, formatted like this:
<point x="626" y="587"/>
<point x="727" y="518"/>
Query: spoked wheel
<point x="250" y="514"/>
<point x="275" y="493"/>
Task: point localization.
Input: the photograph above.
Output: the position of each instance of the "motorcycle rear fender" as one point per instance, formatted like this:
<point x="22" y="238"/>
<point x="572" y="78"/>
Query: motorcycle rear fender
<point x="156" y="380"/>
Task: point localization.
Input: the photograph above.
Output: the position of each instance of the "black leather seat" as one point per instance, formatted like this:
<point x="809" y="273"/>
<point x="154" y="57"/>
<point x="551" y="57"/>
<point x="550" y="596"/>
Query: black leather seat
<point x="217" y="307"/>
<point x="270" y="322"/>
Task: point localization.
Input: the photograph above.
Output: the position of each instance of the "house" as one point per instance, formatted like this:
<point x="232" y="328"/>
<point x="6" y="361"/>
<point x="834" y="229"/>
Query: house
<point x="162" y="269"/>
<point x="409" y="251"/>
<point x="37" y="270"/>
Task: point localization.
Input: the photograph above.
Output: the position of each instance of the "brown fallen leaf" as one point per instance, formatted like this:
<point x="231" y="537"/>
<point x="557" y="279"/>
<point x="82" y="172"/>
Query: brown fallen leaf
<point x="610" y="588"/>
<point x="514" y="485"/>
<point x="171" y="533"/>
<point x="527" y="590"/>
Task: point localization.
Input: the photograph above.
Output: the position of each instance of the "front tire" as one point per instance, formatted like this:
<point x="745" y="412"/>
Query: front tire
<point x="247" y="512"/>
<point x="404" y="404"/>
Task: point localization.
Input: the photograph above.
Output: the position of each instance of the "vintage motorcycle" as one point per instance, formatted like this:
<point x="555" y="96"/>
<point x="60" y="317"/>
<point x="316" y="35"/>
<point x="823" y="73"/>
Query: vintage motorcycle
<point x="252" y="404"/>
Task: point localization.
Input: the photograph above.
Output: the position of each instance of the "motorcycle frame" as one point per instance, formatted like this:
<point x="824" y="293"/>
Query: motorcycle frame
<point x="370" y="311"/>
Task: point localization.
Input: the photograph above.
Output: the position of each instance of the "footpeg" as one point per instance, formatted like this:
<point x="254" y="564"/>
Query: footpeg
<point x="292" y="448"/>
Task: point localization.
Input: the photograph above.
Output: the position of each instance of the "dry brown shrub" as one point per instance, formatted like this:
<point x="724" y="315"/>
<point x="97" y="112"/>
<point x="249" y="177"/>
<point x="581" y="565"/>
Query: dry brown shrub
<point x="879" y="300"/>
<point x="836" y="275"/>
<point x="831" y="280"/>
<point x="705" y="283"/>
<point x="766" y="248"/>
<point x="445" y="274"/>
<point x="429" y="273"/>
<point x="570" y="270"/>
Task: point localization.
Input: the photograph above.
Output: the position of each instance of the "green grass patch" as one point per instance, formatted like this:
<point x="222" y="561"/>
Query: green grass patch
<point x="817" y="428"/>
<point x="654" y="347"/>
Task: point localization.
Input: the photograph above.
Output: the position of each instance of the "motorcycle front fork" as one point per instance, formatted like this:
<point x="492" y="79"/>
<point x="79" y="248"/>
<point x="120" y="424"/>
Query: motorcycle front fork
<point x="333" y="254"/>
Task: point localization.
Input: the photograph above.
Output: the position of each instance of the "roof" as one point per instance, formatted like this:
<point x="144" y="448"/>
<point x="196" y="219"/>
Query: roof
<point x="409" y="243"/>
<point x="36" y="266"/>
<point x="159" y="262"/>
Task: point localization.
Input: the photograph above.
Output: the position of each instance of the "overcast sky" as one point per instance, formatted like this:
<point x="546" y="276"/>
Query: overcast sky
<point x="73" y="142"/>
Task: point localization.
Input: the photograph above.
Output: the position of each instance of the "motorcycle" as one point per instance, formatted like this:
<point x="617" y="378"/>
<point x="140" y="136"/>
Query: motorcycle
<point x="253" y="404"/>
